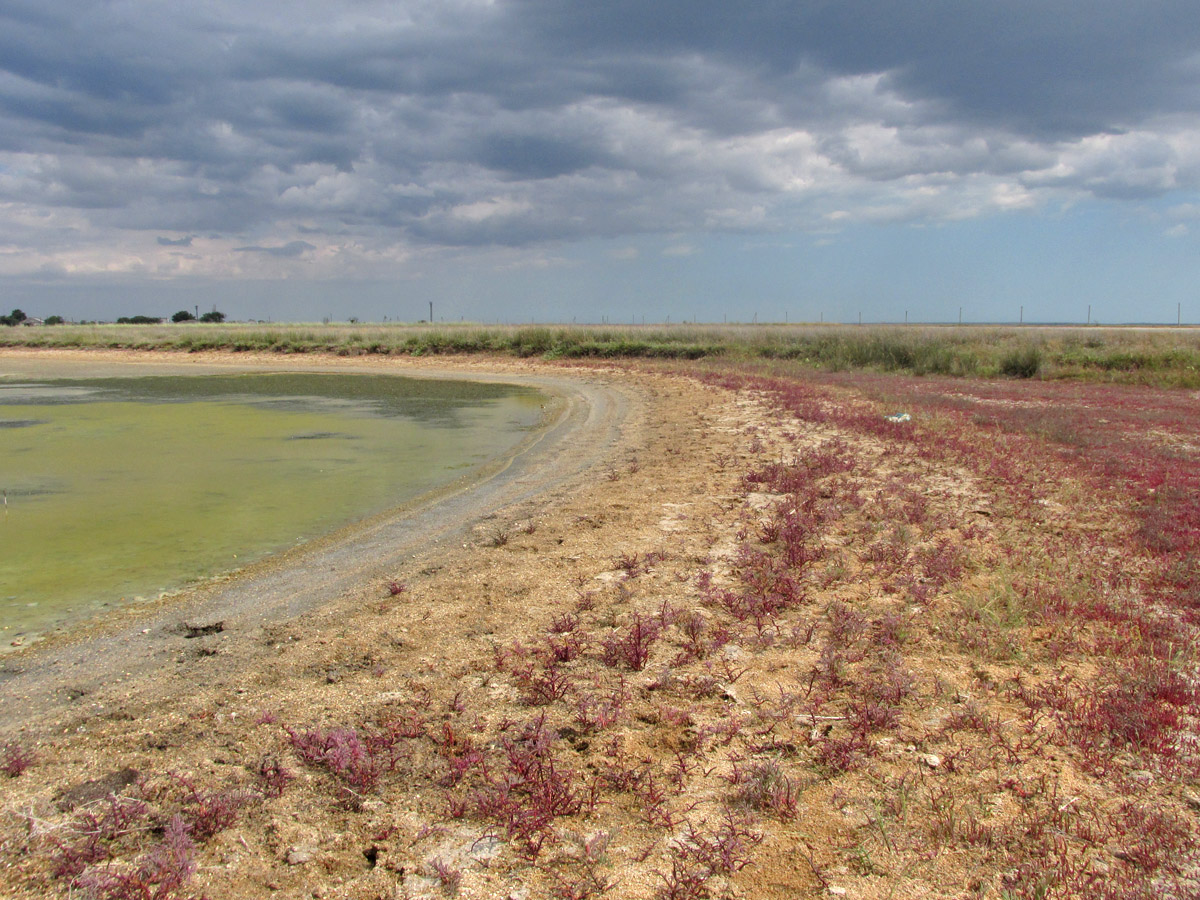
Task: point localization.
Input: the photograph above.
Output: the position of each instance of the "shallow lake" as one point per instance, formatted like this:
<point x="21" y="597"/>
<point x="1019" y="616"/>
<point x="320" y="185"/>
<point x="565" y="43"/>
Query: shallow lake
<point x="117" y="488"/>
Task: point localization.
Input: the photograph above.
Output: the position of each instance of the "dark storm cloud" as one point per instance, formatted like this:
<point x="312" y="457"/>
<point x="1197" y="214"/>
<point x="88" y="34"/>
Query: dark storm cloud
<point x="1048" y="68"/>
<point x="465" y="122"/>
<point x="1040" y="66"/>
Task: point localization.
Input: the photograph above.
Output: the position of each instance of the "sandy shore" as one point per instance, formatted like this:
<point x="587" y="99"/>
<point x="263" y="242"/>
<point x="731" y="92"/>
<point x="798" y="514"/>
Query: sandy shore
<point x="625" y="470"/>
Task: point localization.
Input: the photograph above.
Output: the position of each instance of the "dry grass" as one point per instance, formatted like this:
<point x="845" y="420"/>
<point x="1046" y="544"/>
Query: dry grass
<point x="1140" y="355"/>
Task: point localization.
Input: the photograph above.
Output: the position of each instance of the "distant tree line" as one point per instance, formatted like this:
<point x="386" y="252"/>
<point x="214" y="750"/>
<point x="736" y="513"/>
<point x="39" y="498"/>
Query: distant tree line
<point x="184" y="316"/>
<point x="17" y="316"/>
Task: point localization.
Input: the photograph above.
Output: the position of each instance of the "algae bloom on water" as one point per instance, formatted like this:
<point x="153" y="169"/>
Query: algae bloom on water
<point x="117" y="488"/>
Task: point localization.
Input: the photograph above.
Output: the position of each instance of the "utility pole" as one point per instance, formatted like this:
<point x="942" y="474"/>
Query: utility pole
<point x="430" y="312"/>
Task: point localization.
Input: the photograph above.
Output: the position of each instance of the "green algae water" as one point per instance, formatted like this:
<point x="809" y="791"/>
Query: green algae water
<point x="119" y="488"/>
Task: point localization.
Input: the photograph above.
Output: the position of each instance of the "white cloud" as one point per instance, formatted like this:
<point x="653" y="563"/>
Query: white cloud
<point x="492" y="208"/>
<point x="1132" y="164"/>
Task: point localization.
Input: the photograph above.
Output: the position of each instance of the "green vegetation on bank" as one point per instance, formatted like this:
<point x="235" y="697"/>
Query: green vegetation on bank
<point x="1161" y="356"/>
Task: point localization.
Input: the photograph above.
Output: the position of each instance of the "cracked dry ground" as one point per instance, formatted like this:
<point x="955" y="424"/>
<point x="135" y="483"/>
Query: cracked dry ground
<point x="781" y="647"/>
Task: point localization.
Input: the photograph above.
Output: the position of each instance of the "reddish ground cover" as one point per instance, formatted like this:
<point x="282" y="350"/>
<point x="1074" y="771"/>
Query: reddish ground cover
<point x="793" y="648"/>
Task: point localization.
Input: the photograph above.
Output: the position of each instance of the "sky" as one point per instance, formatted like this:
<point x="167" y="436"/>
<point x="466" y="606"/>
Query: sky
<point x="617" y="161"/>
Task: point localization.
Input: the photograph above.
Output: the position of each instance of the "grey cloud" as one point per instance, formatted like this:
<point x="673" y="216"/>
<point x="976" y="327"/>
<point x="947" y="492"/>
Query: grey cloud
<point x="290" y="250"/>
<point x="176" y="242"/>
<point x="531" y="120"/>
<point x="536" y="156"/>
<point x="309" y="109"/>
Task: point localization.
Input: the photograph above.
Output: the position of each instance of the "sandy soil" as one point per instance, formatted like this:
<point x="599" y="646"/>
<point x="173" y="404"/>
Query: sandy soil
<point x="342" y="738"/>
<point x="317" y="637"/>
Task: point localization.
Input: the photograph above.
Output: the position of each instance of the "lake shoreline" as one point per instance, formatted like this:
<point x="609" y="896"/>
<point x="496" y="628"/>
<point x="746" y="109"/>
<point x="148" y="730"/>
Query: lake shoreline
<point x="145" y="486"/>
<point x="126" y="645"/>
